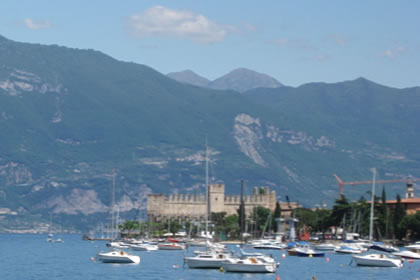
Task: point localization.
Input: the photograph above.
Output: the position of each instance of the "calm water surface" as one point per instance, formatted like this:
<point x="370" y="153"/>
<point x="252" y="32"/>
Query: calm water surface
<point x="26" y="257"/>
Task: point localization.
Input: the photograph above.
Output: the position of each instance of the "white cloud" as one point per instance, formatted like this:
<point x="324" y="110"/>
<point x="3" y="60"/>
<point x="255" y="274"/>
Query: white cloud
<point x="160" y="20"/>
<point x="394" y="52"/>
<point x="31" y="24"/>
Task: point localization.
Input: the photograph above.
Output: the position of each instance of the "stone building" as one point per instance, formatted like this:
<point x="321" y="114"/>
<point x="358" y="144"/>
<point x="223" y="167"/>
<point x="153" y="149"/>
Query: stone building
<point x="411" y="203"/>
<point x="193" y="207"/>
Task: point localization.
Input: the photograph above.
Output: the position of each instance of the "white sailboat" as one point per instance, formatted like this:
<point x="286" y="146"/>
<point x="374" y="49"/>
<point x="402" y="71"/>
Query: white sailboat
<point x="116" y="255"/>
<point x="377" y="260"/>
<point x="215" y="255"/>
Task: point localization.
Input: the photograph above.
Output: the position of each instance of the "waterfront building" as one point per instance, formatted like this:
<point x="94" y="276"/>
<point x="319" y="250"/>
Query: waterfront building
<point x="410" y="202"/>
<point x="193" y="206"/>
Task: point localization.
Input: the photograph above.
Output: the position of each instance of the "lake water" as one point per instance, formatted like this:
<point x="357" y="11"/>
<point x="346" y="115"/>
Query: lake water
<point x="27" y="257"/>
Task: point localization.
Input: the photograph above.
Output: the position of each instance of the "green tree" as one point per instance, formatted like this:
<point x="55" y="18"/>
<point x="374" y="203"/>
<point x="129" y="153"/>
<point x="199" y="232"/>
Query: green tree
<point x="322" y="220"/>
<point x="260" y="216"/>
<point x="411" y="224"/>
<point x="241" y="216"/>
<point x="340" y="210"/>
<point x="399" y="214"/>
<point x="129" y="226"/>
<point x="277" y="214"/>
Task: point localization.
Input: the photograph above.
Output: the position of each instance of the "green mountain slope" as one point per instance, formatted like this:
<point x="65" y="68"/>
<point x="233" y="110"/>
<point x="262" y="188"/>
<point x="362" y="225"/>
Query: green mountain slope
<point x="70" y="118"/>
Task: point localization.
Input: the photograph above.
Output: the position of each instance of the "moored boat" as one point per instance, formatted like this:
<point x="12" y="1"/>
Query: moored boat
<point x="348" y="250"/>
<point x="117" y="257"/>
<point x="307" y="251"/>
<point x="325" y="247"/>
<point x="407" y="255"/>
<point x="254" y="264"/>
<point x="208" y="259"/>
<point x="377" y="260"/>
<point x="170" y="246"/>
<point x="378" y="246"/>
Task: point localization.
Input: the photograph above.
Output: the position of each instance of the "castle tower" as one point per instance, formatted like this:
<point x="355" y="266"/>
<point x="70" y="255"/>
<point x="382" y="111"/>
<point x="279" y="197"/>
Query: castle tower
<point x="410" y="191"/>
<point x="217" y="197"/>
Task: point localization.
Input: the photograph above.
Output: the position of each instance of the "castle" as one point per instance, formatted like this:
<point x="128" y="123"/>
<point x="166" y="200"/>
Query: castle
<point x="193" y="207"/>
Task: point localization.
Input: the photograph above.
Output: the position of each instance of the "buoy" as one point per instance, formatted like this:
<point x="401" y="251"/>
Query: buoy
<point x="283" y="256"/>
<point x="310" y="255"/>
<point x="222" y="269"/>
<point x="175" y="266"/>
<point x="327" y="259"/>
<point x="410" y="261"/>
<point x="277" y="277"/>
<point x="92" y="259"/>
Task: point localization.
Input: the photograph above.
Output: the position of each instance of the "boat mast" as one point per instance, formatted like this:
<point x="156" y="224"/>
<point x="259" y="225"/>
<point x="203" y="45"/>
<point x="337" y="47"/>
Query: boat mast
<point x="113" y="206"/>
<point x="372" y="203"/>
<point x="242" y="207"/>
<point x="207" y="191"/>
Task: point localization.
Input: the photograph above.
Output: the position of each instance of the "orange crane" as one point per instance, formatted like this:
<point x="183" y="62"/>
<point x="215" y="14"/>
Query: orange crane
<point x="341" y="183"/>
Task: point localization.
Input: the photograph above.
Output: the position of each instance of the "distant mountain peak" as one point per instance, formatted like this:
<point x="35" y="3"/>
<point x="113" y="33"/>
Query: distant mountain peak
<point x="243" y="79"/>
<point x="189" y="77"/>
<point x="3" y="39"/>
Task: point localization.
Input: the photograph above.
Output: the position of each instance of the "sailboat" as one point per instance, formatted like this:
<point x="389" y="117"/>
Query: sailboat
<point x="116" y="255"/>
<point x="377" y="260"/>
<point x="214" y="256"/>
<point x="50" y="237"/>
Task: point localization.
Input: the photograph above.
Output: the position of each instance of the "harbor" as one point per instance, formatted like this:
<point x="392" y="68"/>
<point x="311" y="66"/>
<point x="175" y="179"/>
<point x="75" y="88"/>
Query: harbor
<point x="73" y="259"/>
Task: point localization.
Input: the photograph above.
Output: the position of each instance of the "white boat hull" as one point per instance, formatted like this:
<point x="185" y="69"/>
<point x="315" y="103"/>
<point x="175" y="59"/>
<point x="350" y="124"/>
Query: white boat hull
<point x="251" y="268"/>
<point x="170" y="247"/>
<point x="194" y="262"/>
<point x="377" y="261"/>
<point x="117" y="257"/>
<point x="408" y="255"/>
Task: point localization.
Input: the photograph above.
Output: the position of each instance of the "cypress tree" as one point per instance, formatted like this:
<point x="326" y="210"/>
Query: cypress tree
<point x="399" y="214"/>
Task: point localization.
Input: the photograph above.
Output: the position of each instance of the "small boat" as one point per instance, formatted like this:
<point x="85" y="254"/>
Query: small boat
<point x="383" y="248"/>
<point x="407" y="255"/>
<point x="118" y="245"/>
<point x="377" y="260"/>
<point x="254" y="264"/>
<point x="307" y="251"/>
<point x="414" y="247"/>
<point x="270" y="246"/>
<point x="326" y="247"/>
<point x="208" y="259"/>
<point x="348" y="250"/>
<point x="170" y="246"/>
<point x="117" y="257"/>
<point x="144" y="247"/>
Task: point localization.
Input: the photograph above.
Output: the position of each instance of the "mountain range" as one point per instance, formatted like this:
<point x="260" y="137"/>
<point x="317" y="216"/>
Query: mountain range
<point x="240" y="80"/>
<point x="71" y="119"/>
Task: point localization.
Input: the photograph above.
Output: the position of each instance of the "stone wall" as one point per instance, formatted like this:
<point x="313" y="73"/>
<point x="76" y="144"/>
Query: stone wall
<point x="188" y="207"/>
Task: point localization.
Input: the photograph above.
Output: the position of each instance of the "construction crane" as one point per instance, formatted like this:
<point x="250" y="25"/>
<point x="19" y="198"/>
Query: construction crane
<point x="341" y="183"/>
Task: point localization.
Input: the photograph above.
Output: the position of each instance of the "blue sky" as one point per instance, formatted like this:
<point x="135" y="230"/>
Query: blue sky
<point x="295" y="42"/>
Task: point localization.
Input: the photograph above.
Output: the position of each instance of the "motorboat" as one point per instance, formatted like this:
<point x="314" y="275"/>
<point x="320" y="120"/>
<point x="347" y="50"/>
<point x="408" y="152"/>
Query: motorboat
<point x="118" y="245"/>
<point x="307" y="251"/>
<point x="117" y="257"/>
<point x="270" y="246"/>
<point x="377" y="260"/>
<point x="52" y="240"/>
<point x="414" y="247"/>
<point x="207" y="259"/>
<point x="170" y="246"/>
<point x="407" y="255"/>
<point x="349" y="250"/>
<point x="144" y="247"/>
<point x="325" y="247"/>
<point x="378" y="246"/>
<point x="250" y="264"/>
